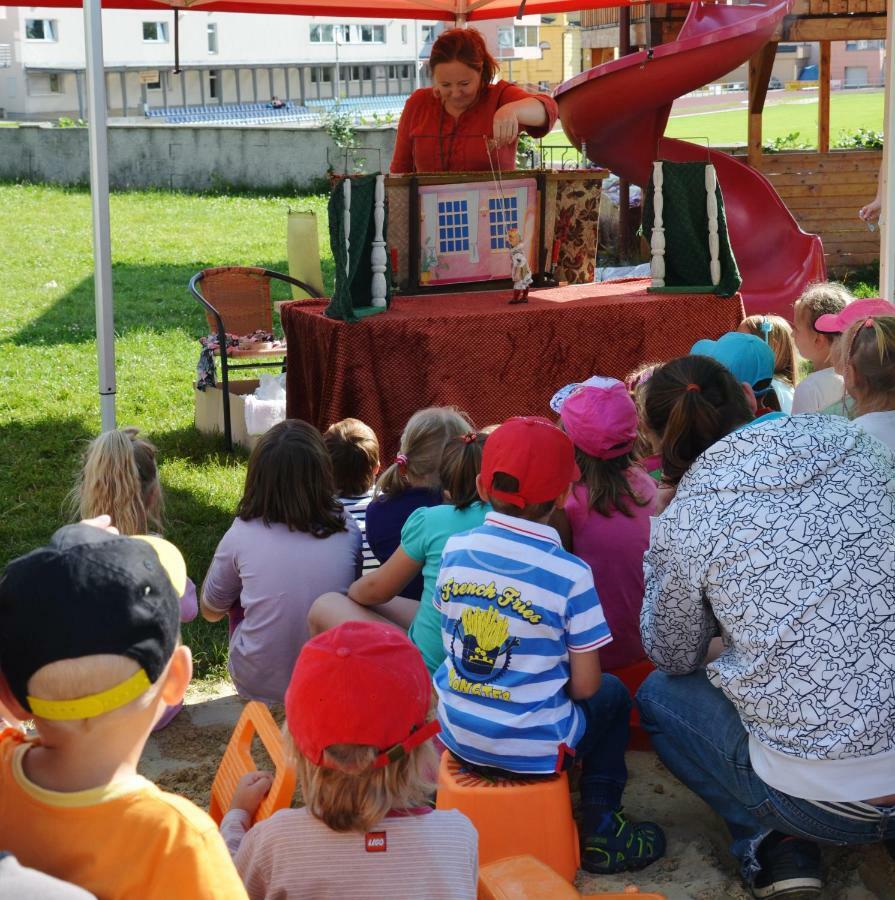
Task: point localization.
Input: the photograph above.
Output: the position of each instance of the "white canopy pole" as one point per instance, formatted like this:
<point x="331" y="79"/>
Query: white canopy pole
<point x="99" y="195"/>
<point x="887" y="188"/>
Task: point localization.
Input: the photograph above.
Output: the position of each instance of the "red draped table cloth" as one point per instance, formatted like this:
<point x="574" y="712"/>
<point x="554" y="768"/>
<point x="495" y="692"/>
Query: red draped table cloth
<point x="476" y="352"/>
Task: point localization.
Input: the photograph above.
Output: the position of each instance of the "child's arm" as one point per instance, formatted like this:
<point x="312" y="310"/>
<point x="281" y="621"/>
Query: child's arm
<point x="380" y="585"/>
<point x="250" y="791"/>
<point x="560" y="521"/>
<point x="585" y="674"/>
<point x="222" y="586"/>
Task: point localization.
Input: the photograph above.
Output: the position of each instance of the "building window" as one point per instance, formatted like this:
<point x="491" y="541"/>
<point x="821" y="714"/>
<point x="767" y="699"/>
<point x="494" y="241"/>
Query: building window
<point x="428" y="33"/>
<point x="212" y="37"/>
<point x="863" y="45"/>
<point x="403" y="34"/>
<point x="214" y="84"/>
<point x="154" y="85"/>
<point x="359" y="73"/>
<point x="504" y="38"/>
<point x="321" y="34"/>
<point x="502" y="216"/>
<point x="39" y="85"/>
<point x="453" y="226"/>
<point x="321" y="75"/>
<point x="525" y="36"/>
<point x="372" y="34"/>
<point x="155" y="32"/>
<point x="41" y="30"/>
<point x="399" y="71"/>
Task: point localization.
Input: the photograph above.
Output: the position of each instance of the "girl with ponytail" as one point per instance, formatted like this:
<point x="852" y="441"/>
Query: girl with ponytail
<point x="119" y="478"/>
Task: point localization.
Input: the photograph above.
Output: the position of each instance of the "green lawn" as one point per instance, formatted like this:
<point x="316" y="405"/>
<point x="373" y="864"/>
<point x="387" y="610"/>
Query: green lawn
<point x="48" y="381"/>
<point x="848" y="111"/>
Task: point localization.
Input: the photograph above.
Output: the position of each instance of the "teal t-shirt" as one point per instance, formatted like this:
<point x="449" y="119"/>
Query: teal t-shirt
<point x="423" y="538"/>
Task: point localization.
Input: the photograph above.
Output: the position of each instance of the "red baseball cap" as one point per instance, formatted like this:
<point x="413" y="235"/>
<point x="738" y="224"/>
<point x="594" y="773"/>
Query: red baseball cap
<point x="837" y="323"/>
<point x="536" y="453"/>
<point x="360" y="683"/>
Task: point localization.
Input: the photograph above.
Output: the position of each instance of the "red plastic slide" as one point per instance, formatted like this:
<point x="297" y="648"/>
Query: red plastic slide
<point x="619" y="110"/>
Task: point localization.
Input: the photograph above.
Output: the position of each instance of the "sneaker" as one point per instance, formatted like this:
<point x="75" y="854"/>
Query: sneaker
<point x="619" y="845"/>
<point x="790" y="868"/>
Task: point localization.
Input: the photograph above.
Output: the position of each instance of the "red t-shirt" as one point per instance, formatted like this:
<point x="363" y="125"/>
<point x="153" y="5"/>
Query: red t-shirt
<point x="431" y="140"/>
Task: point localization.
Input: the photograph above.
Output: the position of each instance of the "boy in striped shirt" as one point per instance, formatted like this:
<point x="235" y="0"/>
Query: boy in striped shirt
<point x="521" y="690"/>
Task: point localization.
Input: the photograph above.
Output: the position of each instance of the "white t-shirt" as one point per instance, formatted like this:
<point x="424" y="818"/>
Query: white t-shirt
<point x="817" y="391"/>
<point x="785" y="393"/>
<point x="881" y="425"/>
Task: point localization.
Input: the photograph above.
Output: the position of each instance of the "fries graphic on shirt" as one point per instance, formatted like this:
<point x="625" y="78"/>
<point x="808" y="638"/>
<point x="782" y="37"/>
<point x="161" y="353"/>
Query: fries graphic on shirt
<point x="489" y="628"/>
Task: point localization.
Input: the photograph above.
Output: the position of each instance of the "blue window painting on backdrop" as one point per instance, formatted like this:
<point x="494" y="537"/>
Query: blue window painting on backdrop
<point x="503" y="214"/>
<point x="453" y="226"/>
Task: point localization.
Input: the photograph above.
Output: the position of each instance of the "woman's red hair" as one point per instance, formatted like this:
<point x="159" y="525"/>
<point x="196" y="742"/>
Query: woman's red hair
<point x="465" y="45"/>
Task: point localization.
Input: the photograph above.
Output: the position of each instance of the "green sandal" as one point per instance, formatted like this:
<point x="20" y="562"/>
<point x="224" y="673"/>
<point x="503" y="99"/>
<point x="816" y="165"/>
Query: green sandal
<point x="619" y="845"/>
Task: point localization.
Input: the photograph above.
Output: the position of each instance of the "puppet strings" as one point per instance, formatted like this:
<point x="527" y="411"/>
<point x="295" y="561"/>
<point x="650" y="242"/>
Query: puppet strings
<point x="497" y="177"/>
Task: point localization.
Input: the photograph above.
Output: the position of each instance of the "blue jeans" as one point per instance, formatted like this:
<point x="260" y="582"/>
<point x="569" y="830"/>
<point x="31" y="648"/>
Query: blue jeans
<point x="698" y="735"/>
<point x="601" y="750"/>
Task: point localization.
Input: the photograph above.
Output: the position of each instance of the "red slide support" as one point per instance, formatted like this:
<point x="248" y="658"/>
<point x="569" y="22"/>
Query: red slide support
<point x="619" y="111"/>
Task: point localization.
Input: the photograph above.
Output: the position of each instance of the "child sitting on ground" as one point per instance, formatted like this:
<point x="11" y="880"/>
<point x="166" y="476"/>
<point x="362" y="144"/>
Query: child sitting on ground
<point x="609" y="509"/>
<point x="358" y="711"/>
<point x="89" y="648"/>
<point x="777" y="333"/>
<point x="426" y="531"/>
<point x="823" y="388"/>
<point x="119" y="478"/>
<point x="291" y="541"/>
<point x="750" y="360"/>
<point x="870" y="375"/>
<point x="522" y="625"/>
<point x="354" y="451"/>
<point x="411" y="481"/>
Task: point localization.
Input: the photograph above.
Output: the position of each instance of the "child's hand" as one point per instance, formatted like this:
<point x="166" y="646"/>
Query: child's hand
<point x="250" y="791"/>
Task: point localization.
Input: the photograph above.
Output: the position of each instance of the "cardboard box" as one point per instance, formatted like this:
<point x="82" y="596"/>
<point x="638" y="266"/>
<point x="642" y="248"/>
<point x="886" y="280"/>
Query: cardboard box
<point x="210" y="411"/>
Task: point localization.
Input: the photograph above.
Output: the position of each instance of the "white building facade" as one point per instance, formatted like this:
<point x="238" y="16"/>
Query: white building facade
<point x="225" y="58"/>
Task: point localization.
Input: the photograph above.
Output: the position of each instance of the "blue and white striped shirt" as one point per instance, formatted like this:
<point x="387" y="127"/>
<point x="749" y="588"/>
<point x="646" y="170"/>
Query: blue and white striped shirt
<point x="513" y="605"/>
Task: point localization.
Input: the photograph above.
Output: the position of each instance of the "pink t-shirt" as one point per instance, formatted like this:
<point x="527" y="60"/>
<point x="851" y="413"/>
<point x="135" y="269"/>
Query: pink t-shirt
<point x="613" y="546"/>
<point x="275" y="575"/>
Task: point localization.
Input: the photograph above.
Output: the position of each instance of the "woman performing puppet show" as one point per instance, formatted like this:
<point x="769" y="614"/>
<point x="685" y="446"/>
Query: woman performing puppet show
<point x="464" y="123"/>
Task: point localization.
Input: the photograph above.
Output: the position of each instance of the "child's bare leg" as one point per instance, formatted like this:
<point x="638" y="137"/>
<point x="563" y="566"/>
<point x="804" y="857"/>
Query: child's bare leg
<point x="332" y="609"/>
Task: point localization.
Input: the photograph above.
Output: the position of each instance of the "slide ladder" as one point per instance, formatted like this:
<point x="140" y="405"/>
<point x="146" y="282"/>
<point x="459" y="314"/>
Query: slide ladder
<point x="619" y="111"/>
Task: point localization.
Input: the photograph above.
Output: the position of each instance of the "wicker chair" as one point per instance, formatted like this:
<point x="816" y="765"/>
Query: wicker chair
<point x="236" y="300"/>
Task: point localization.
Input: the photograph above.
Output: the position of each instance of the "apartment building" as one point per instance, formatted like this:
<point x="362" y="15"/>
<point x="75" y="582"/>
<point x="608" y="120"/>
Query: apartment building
<point x="224" y="58"/>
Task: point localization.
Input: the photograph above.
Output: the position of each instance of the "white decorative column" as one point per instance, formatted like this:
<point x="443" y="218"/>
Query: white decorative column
<point x="378" y="258"/>
<point x="346" y="221"/>
<point x="657" y="241"/>
<point x="711" y="204"/>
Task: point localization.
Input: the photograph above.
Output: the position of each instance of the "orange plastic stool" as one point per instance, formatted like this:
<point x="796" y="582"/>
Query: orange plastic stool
<point x="526" y="878"/>
<point x="632" y="677"/>
<point x="237" y="761"/>
<point x="513" y="817"/>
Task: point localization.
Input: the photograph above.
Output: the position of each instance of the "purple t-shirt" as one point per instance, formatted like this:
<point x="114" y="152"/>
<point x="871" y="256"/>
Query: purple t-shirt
<point x="386" y="516"/>
<point x="275" y="575"/>
<point x="614" y="546"/>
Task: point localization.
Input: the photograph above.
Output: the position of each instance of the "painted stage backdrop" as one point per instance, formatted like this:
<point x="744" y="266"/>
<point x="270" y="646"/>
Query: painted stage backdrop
<point x="467" y="230"/>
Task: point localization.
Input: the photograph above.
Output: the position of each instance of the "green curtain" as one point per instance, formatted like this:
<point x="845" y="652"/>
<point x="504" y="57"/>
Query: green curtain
<point x="686" y="223"/>
<point x="351" y="296"/>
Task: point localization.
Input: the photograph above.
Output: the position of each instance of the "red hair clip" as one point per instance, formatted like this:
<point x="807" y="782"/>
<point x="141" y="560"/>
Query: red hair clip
<point x="868" y="323"/>
<point x="469" y="438"/>
<point x="401" y="462"/>
<point x="694" y="387"/>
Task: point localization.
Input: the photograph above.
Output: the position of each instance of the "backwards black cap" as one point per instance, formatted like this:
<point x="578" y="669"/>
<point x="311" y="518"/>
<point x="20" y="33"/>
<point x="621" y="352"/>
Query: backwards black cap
<point x="88" y="592"/>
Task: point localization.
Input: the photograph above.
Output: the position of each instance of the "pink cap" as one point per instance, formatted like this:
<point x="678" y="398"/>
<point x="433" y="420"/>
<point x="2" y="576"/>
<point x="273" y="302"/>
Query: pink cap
<point x="601" y="420"/>
<point x="837" y="323"/>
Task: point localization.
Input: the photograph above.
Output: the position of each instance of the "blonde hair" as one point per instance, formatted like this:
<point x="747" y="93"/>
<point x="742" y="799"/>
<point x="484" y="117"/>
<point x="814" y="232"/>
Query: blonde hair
<point x="422" y="443"/>
<point x="871" y="353"/>
<point x="823" y="298"/>
<point x="119" y="477"/>
<point x="347" y="794"/>
<point x="780" y="340"/>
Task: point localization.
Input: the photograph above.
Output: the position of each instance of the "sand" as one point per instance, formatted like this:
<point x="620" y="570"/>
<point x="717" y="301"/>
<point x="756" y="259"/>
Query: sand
<point x="184" y="757"/>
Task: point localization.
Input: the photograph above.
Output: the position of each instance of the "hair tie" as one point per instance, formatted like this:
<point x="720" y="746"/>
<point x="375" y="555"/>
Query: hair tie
<point x="694" y="387"/>
<point x="469" y="438"/>
<point x="868" y="323"/>
<point x="401" y="462"/>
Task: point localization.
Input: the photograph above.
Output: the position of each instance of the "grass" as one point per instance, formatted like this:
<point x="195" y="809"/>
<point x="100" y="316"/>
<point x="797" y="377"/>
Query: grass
<point x="848" y="112"/>
<point x="49" y="407"/>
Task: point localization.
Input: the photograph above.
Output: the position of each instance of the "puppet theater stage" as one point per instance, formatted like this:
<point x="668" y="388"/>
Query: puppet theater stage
<point x="449" y="335"/>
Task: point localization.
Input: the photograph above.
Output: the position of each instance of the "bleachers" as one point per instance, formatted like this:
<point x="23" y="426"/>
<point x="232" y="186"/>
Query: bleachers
<point x="359" y="108"/>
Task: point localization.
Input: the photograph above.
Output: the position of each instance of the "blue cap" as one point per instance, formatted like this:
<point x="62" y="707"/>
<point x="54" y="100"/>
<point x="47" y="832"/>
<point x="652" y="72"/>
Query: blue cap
<point x="746" y="356"/>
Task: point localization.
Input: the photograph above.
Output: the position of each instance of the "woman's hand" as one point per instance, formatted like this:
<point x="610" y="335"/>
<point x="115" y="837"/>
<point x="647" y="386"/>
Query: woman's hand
<point x="870" y="212"/>
<point x="506" y="125"/>
<point x="250" y="790"/>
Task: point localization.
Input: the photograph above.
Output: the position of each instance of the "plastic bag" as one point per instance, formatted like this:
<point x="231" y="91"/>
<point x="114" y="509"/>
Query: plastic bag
<point x="267" y="405"/>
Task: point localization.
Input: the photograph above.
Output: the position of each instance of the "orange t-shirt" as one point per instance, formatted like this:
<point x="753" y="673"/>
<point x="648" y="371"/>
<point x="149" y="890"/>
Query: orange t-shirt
<point x="430" y="140"/>
<point x="127" y="839"/>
